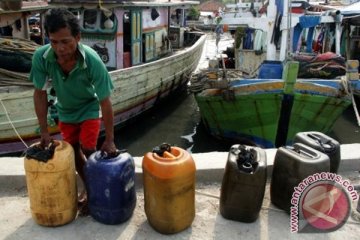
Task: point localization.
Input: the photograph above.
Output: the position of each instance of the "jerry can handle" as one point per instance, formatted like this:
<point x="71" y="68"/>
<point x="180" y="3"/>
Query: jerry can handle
<point x="314" y="136"/>
<point x="303" y="150"/>
<point x="325" y="144"/>
<point x="169" y="155"/>
<point x="105" y="156"/>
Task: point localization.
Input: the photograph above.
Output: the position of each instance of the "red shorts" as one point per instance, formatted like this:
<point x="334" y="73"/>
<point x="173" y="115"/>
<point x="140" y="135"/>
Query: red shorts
<point x="86" y="133"/>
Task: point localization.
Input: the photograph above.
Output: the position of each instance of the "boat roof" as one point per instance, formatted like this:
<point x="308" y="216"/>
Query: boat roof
<point x="351" y="13"/>
<point x="122" y="3"/>
<point x="349" y="10"/>
<point x="352" y="10"/>
<point x="29" y="6"/>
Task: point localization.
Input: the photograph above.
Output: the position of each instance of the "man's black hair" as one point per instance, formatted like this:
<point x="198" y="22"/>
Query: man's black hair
<point x="58" y="18"/>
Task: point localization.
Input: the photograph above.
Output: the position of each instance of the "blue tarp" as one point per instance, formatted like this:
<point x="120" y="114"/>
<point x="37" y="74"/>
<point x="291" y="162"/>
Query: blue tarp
<point x="280" y="6"/>
<point x="305" y="22"/>
<point x="309" y="21"/>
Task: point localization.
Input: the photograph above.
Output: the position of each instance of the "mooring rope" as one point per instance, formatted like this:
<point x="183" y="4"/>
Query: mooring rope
<point x="355" y="109"/>
<point x="348" y="89"/>
<point x="11" y="123"/>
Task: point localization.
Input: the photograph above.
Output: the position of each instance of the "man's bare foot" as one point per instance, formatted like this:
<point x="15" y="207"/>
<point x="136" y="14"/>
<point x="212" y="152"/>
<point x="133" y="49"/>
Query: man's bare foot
<point x="83" y="210"/>
<point x="82" y="198"/>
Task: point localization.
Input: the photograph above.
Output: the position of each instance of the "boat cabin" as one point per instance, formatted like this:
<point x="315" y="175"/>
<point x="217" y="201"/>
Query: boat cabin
<point x="22" y="19"/>
<point x="129" y="33"/>
<point x="280" y="29"/>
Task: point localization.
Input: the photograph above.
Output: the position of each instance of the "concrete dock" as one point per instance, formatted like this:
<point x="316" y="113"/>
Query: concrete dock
<point x="16" y="221"/>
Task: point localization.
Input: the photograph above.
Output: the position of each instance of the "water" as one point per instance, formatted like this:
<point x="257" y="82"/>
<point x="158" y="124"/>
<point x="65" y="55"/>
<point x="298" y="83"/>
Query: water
<point x="177" y="121"/>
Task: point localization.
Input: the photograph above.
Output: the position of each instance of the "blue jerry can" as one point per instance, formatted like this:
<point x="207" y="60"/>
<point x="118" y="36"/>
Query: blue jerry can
<point x="110" y="185"/>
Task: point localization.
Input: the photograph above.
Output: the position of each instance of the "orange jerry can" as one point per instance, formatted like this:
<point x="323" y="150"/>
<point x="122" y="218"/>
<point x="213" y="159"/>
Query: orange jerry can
<point x="52" y="187"/>
<point x="169" y="188"/>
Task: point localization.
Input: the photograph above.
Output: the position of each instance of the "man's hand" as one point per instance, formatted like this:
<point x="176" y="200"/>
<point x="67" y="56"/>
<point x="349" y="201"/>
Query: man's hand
<point x="108" y="118"/>
<point x="109" y="147"/>
<point x="41" y="109"/>
<point x="46" y="139"/>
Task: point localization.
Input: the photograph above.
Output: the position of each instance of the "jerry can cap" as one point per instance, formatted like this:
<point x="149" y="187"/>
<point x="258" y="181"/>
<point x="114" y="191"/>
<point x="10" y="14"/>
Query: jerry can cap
<point x="104" y="156"/>
<point x="165" y="151"/>
<point x="246" y="158"/>
<point x="41" y="153"/>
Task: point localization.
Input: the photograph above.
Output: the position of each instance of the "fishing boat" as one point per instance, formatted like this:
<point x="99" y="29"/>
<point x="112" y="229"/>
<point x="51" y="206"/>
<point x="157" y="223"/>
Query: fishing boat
<point x="149" y="57"/>
<point x="273" y="92"/>
<point x="351" y="23"/>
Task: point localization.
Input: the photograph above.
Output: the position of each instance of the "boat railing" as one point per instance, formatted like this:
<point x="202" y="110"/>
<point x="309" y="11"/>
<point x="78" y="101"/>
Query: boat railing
<point x="214" y="79"/>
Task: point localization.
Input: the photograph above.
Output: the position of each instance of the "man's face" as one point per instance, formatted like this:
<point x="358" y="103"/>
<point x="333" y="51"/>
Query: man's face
<point x="64" y="44"/>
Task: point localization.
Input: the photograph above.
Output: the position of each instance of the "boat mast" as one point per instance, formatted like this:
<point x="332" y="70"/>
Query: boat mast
<point x="285" y="43"/>
<point x="338" y="19"/>
<point x="271" y="15"/>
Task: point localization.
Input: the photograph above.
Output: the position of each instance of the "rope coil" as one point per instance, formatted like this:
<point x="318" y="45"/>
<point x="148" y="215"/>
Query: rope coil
<point x="12" y="125"/>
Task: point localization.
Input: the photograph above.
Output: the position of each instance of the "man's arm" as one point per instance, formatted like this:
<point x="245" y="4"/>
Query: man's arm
<point x="41" y="109"/>
<point x="108" y="118"/>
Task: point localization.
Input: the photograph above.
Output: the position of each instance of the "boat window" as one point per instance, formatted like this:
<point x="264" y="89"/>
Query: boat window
<point x="154" y="14"/>
<point x="149" y="46"/>
<point x="90" y="16"/>
<point x="76" y="13"/>
<point x="97" y="21"/>
<point x="107" y="20"/>
<point x="34" y="20"/>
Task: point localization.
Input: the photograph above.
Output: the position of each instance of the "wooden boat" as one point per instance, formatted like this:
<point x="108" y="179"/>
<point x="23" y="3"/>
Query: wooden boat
<point x="147" y="57"/>
<point x="269" y="106"/>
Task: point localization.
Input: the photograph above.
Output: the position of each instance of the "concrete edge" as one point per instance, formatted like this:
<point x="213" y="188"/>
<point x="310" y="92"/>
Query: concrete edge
<point x="209" y="166"/>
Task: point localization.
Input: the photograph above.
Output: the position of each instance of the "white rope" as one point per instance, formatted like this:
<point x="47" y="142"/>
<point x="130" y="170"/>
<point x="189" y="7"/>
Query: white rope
<point x="349" y="90"/>
<point x="207" y="194"/>
<point x="12" y="125"/>
<point x="355" y="109"/>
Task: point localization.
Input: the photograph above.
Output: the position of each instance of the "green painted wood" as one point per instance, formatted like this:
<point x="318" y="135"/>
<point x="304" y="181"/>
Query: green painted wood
<point x="251" y="113"/>
<point x="290" y="75"/>
<point x="253" y="116"/>
<point x="314" y="113"/>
